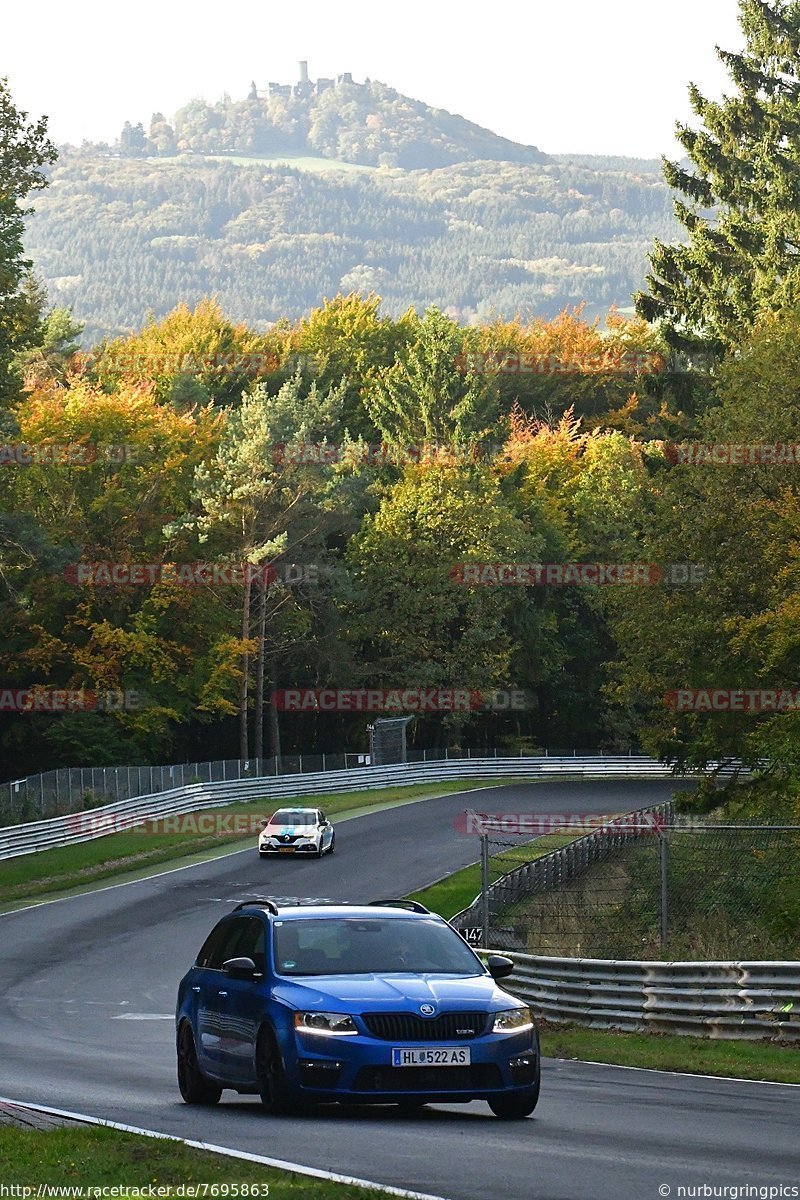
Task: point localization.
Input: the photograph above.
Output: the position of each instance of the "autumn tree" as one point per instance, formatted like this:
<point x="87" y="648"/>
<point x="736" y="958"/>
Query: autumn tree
<point x="252" y="506"/>
<point x="735" y="627"/>
<point x="190" y="357"/>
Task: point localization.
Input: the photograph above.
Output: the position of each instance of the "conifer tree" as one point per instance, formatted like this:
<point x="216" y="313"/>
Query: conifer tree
<point x="740" y="201"/>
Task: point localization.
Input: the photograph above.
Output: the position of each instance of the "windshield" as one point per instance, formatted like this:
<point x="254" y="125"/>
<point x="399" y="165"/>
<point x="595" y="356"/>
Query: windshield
<point x="352" y="946"/>
<point x="287" y="816"/>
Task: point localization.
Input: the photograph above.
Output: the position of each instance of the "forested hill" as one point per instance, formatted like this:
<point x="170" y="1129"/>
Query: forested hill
<point x="363" y="123"/>
<point x="116" y="237"/>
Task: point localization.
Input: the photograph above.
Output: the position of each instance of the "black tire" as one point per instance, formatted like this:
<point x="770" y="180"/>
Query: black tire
<point x="194" y="1086"/>
<point x="332" y="846"/>
<point x="263" y="854"/>
<point x="515" y="1108"/>
<point x="318" y="853"/>
<point x="272" y="1087"/>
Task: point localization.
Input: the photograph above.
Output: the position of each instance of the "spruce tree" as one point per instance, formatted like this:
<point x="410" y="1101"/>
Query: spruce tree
<point x="740" y="202"/>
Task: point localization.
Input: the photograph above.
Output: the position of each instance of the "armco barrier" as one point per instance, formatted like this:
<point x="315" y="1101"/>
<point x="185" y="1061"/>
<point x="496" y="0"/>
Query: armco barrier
<point x="705" y="999"/>
<point x="61" y="831"/>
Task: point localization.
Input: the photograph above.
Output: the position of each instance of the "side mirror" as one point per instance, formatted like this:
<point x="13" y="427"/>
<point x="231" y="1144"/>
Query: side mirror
<point x="499" y="966"/>
<point x="264" y="824"/>
<point x="240" y="968"/>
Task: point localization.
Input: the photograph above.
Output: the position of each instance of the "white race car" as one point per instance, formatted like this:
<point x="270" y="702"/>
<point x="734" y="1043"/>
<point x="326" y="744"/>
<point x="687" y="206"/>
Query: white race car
<point x="297" y="831"/>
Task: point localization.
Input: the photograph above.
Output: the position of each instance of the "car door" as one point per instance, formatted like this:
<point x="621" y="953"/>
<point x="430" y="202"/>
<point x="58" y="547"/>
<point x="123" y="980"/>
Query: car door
<point x="218" y="1026"/>
<point x="244" y="1004"/>
<point x="327" y="829"/>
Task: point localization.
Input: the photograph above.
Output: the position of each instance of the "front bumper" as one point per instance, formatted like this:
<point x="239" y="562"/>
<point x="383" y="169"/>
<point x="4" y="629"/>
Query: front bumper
<point x="358" y="1068"/>
<point x="290" y="848"/>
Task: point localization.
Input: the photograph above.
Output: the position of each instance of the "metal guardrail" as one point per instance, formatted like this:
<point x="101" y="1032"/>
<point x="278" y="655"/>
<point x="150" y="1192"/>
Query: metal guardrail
<point x="704" y="999"/>
<point x="71" y="789"/>
<point x="35" y="836"/>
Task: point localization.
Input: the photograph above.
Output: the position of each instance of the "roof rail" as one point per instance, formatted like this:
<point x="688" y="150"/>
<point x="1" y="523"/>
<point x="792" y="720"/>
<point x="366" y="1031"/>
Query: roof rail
<point x="258" y="902"/>
<point x="411" y="905"/>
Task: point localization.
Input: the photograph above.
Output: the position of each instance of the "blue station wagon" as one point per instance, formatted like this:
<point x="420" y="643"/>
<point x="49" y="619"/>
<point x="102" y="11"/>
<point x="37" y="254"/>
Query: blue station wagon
<point x="377" y="1003"/>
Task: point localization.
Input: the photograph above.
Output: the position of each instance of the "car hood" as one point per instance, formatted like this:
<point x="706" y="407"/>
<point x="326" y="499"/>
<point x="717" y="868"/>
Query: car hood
<point x="390" y="993"/>
<point x="294" y="830"/>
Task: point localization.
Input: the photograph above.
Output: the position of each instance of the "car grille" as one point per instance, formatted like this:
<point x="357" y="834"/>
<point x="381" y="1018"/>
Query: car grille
<point x="407" y="1027"/>
<point x="481" y="1077"/>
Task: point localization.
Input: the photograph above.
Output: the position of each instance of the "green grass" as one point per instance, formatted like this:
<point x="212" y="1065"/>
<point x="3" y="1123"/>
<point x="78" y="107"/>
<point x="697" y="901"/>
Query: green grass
<point x="99" y="1156"/>
<point x="302" y="162"/>
<point x="667" y="1052"/>
<point x="132" y="854"/>
<point x="694" y="1055"/>
<point x="449" y="896"/>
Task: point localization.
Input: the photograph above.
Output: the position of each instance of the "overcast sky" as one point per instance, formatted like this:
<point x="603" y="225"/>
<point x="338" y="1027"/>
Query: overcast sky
<point x="568" y="76"/>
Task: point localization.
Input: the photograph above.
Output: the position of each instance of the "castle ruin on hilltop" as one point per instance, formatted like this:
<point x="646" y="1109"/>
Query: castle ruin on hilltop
<point x="304" y="85"/>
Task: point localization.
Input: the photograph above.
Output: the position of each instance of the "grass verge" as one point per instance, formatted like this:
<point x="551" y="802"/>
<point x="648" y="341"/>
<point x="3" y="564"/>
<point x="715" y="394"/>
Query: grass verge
<point x="775" y="1062"/>
<point x="450" y="895"/>
<point x="119" y="855"/>
<point x="779" y="1063"/>
<point x="99" y="1156"/>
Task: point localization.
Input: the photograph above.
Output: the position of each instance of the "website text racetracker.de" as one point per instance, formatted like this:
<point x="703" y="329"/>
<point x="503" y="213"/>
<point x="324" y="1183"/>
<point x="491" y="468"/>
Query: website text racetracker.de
<point x="199" y="824"/>
<point x="575" y="574"/>
<point x="534" y="824"/>
<point x="44" y="699"/>
<point x="411" y="700"/>
<point x="148" y="1191"/>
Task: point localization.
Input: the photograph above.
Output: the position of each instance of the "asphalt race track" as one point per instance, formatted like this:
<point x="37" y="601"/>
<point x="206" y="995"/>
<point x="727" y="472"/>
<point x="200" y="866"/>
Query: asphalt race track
<point x="87" y="996"/>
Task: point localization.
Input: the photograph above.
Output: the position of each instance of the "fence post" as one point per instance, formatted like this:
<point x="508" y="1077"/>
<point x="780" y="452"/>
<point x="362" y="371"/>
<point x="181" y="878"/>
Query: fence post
<point x="664" y="894"/>
<point x="485" y="890"/>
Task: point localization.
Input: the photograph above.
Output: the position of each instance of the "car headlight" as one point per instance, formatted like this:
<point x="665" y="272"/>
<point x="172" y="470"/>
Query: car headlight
<point x="324" y="1022"/>
<point x="512" y="1020"/>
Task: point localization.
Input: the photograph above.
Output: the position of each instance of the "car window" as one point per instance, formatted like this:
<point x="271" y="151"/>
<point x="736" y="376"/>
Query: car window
<point x="209" y="954"/>
<point x="237" y="937"/>
<point x="353" y="946"/>
<point x="286" y="816"/>
<point x="252" y="943"/>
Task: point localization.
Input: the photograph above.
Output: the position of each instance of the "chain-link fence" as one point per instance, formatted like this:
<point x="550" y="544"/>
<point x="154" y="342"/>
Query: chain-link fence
<point x="677" y="891"/>
<point x="74" y="789"/>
